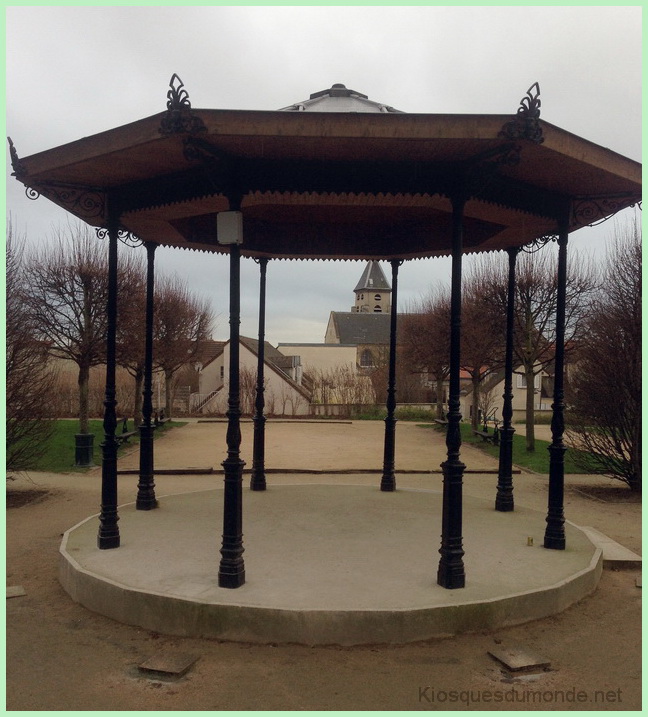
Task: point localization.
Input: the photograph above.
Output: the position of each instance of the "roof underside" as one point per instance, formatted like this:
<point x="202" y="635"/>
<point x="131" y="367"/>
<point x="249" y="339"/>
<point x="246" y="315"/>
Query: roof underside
<point x="333" y="185"/>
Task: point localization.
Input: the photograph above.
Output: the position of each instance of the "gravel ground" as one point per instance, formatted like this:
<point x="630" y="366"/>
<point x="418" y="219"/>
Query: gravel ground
<point x="62" y="657"/>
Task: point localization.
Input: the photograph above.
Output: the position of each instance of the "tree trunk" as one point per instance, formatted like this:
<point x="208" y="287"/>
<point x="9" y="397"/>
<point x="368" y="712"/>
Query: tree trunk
<point x="530" y="409"/>
<point x="84" y="383"/>
<point x="635" y="483"/>
<point x="475" y="412"/>
<point x="137" y="403"/>
<point x="168" y="389"/>
<point x="439" y="399"/>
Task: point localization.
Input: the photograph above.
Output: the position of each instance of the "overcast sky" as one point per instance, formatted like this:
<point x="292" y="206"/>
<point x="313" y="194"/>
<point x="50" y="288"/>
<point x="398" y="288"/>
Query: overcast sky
<point x="76" y="71"/>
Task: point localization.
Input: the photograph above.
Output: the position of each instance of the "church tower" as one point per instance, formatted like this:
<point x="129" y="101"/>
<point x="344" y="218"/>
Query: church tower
<point x="373" y="293"/>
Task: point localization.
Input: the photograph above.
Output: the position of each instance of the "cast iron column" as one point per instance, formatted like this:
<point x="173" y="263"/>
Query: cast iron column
<point x="108" y="536"/>
<point x="388" y="481"/>
<point x="231" y="573"/>
<point x="555" y="531"/>
<point x="451" y="567"/>
<point x="504" y="499"/>
<point x="258" y="479"/>
<point x="146" y="499"/>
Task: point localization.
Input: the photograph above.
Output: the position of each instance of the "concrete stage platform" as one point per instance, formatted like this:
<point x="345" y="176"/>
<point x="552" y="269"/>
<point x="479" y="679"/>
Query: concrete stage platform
<point x="325" y="564"/>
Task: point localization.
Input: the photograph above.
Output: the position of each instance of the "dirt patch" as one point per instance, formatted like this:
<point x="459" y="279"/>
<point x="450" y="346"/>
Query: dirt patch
<point x="607" y="493"/>
<point x="62" y="657"/>
<point x="18" y="498"/>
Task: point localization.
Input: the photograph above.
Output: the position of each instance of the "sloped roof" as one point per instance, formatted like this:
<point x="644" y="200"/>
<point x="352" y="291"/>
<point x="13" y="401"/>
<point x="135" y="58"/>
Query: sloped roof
<point x="275" y="359"/>
<point x="338" y="99"/>
<point x="356" y="328"/>
<point x="208" y="351"/>
<point x="334" y="184"/>
<point x="373" y="278"/>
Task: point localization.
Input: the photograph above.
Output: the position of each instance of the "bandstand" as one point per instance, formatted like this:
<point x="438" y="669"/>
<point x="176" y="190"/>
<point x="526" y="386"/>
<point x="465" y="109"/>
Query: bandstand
<point x="336" y="177"/>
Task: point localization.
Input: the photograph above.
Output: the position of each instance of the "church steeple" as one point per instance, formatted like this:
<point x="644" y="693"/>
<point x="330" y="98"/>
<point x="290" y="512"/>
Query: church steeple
<point x="373" y="293"/>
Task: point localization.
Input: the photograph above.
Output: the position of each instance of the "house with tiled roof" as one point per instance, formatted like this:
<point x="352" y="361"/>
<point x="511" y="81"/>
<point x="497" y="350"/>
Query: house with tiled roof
<point x="286" y="389"/>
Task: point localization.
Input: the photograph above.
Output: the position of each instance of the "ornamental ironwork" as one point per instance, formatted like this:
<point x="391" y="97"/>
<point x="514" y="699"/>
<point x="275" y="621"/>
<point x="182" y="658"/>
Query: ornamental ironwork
<point x="179" y="118"/>
<point x="538" y="243"/>
<point x="123" y="235"/>
<point x="88" y="202"/>
<point x="592" y="211"/>
<point x="17" y="166"/>
<point x="526" y="123"/>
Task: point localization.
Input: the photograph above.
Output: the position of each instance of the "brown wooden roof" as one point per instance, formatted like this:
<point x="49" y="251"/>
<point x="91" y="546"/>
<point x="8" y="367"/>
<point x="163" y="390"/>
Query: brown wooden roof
<point x="333" y="185"/>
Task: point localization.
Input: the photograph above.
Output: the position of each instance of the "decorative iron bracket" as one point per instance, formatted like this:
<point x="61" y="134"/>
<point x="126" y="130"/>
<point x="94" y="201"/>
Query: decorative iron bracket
<point x="526" y="123"/>
<point x="179" y="118"/>
<point x="584" y="209"/>
<point x="83" y="201"/>
<point x="123" y="235"/>
<point x="534" y="246"/>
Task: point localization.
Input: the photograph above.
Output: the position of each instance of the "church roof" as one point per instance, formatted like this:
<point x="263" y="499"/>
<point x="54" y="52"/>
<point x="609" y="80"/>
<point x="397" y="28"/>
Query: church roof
<point x="357" y="328"/>
<point x="373" y="278"/>
<point x="338" y="99"/>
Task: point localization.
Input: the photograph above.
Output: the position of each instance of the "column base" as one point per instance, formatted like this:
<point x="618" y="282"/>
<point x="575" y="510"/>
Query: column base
<point x="257" y="482"/>
<point x="554" y="542"/>
<point x="231" y="580"/>
<point x="146" y="504"/>
<point x="451" y="577"/>
<point x="504" y="504"/>
<point x="108" y="542"/>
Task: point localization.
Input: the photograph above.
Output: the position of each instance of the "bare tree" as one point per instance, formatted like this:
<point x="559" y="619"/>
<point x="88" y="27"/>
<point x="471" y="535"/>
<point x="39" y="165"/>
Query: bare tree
<point x="66" y="295"/>
<point x="30" y="381"/>
<point x="131" y="327"/>
<point x="425" y="341"/>
<point x="605" y="388"/>
<point x="483" y="331"/>
<point x="182" y="322"/>
<point x="247" y="387"/>
<point x="535" y="312"/>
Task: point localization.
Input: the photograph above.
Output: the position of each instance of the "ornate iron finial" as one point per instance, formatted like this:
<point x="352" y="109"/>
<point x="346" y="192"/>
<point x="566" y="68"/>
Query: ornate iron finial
<point x="179" y="117"/>
<point x="526" y="124"/>
<point x="18" y="168"/>
<point x="530" y="105"/>
<point x="177" y="96"/>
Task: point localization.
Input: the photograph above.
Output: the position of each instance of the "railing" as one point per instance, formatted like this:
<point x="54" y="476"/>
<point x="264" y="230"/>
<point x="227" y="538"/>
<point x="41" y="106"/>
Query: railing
<point x="197" y="401"/>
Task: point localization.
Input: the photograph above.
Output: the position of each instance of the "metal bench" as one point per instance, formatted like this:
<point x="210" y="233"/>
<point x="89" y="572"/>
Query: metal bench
<point x="488" y="437"/>
<point x="125" y="433"/>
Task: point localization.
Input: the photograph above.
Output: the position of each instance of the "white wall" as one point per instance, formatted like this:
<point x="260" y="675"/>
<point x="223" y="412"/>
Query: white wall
<point x="281" y="398"/>
<point x="322" y="357"/>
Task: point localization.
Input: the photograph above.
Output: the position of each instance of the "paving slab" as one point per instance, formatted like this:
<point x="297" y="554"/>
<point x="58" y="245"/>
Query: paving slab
<point x="169" y="661"/>
<point x="15" y="591"/>
<point x="615" y="555"/>
<point x="518" y="657"/>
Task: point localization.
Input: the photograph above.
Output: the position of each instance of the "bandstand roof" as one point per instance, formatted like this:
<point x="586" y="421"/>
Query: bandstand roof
<point x="335" y="184"/>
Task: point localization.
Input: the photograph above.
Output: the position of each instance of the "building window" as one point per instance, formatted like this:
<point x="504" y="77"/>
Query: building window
<point x="222" y="372"/>
<point x="522" y="382"/>
<point x="377" y="297"/>
<point x="366" y="359"/>
<point x="377" y="309"/>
